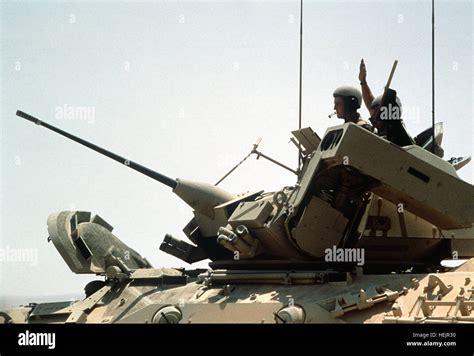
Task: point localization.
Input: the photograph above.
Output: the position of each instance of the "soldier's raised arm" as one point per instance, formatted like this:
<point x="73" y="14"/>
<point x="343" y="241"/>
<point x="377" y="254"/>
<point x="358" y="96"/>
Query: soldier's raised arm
<point x="366" y="92"/>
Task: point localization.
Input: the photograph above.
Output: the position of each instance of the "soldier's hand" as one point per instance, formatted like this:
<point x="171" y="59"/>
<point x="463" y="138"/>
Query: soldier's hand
<point x="362" y="71"/>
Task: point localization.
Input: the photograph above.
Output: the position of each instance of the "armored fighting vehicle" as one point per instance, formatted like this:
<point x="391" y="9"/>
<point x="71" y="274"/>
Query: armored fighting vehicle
<point x="358" y="238"/>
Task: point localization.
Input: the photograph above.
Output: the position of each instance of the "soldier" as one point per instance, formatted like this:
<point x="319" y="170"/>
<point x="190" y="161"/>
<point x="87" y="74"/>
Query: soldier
<point x="388" y="119"/>
<point x="347" y="101"/>
<point x="372" y="104"/>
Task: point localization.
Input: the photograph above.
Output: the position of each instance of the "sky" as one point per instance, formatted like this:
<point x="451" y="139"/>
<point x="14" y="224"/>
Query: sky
<point x="186" y="88"/>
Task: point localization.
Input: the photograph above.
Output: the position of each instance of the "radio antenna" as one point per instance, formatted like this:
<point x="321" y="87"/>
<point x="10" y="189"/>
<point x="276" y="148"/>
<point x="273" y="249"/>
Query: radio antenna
<point x="301" y="75"/>
<point x="433" y="75"/>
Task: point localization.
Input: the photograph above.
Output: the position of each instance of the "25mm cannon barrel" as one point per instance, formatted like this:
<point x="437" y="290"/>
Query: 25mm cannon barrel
<point x="170" y="182"/>
<point x="200" y="196"/>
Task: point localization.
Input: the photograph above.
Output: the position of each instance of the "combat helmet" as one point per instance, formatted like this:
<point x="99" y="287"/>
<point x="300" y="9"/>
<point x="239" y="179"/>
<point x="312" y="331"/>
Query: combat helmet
<point x="352" y="97"/>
